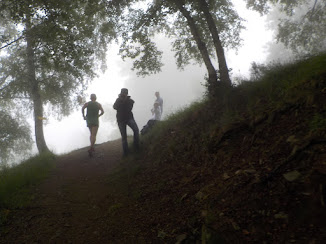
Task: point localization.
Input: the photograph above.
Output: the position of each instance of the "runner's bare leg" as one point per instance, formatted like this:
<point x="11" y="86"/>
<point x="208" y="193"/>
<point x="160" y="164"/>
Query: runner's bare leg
<point x="93" y="130"/>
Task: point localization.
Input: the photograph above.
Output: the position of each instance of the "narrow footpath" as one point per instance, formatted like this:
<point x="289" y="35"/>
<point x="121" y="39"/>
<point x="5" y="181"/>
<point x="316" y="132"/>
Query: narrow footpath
<point x="71" y="205"/>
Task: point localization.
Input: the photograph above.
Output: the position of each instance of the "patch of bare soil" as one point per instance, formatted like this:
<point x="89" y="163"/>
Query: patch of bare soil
<point x="70" y="206"/>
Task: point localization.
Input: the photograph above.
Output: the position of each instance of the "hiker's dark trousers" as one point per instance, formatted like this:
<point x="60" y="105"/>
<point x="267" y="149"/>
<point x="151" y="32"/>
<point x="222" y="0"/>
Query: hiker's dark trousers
<point x="123" y="130"/>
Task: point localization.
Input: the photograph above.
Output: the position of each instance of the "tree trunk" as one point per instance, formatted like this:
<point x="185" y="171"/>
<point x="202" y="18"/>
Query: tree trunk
<point x="212" y="75"/>
<point x="223" y="68"/>
<point x="35" y="91"/>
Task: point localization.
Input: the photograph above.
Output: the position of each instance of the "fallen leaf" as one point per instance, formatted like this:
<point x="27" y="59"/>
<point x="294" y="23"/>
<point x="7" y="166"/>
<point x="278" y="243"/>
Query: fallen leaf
<point x="199" y="196"/>
<point x="181" y="238"/>
<point x="281" y="215"/>
<point x="161" y="234"/>
<point x="184" y="196"/>
<point x="245" y="232"/>
<point x="235" y="226"/>
<point x="292" y="176"/>
<point x="226" y="176"/>
<point x="250" y="171"/>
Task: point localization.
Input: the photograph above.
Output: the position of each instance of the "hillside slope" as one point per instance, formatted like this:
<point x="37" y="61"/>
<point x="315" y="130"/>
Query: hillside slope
<point x="246" y="167"/>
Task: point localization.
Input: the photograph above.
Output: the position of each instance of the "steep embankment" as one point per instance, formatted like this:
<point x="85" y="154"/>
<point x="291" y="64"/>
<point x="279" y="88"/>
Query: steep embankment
<point x="248" y="167"/>
<point x="258" y="182"/>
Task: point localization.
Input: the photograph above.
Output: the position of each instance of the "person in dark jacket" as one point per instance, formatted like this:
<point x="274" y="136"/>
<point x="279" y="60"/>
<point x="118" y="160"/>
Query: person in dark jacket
<point x="124" y="105"/>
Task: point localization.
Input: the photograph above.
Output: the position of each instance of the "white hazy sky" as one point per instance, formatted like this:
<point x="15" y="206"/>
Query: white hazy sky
<point x="177" y="88"/>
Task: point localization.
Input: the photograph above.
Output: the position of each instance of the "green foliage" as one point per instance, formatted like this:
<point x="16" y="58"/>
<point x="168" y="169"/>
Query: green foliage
<point x="306" y="35"/>
<point x="263" y="6"/>
<point x="69" y="38"/>
<point x="52" y="50"/>
<point x="301" y="27"/>
<point x="137" y="31"/>
<point x="228" y="23"/>
<point x="141" y="25"/>
<point x="275" y="85"/>
<point x="16" y="181"/>
<point x="15" y="137"/>
<point x="149" y="56"/>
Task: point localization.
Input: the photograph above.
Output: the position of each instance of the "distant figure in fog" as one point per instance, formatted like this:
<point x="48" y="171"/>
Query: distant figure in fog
<point x="92" y="120"/>
<point x="124" y="105"/>
<point x="156" y="111"/>
<point x="159" y="100"/>
<point x="156" y="116"/>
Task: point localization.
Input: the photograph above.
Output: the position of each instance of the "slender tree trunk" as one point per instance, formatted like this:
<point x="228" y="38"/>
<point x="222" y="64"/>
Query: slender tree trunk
<point x="212" y="75"/>
<point x="35" y="91"/>
<point x="223" y="68"/>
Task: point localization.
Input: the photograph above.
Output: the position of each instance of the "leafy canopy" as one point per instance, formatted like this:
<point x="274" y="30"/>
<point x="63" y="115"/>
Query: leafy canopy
<point x="15" y="137"/>
<point x="142" y="22"/>
<point x="301" y="23"/>
<point x="70" y="37"/>
<point x="68" y="40"/>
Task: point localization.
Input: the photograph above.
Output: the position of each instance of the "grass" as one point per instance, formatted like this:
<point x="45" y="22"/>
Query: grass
<point x="278" y="84"/>
<point x="275" y="88"/>
<point x="318" y="123"/>
<point x="16" y="181"/>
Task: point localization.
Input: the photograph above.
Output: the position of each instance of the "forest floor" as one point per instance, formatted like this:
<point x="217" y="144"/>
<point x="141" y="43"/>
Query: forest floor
<point x="258" y="184"/>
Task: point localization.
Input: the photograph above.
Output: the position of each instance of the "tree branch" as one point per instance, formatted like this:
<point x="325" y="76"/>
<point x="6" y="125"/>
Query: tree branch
<point x="10" y="43"/>
<point x="313" y="8"/>
<point x="149" y="15"/>
<point x="13" y="97"/>
<point x="3" y="80"/>
<point x="3" y="88"/>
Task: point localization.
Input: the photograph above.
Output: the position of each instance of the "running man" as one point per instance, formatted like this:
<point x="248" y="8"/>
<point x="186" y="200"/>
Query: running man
<point x="91" y="118"/>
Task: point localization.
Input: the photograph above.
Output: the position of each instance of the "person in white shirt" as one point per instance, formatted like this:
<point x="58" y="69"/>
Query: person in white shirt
<point x="156" y="112"/>
<point x="159" y="100"/>
<point x="156" y="116"/>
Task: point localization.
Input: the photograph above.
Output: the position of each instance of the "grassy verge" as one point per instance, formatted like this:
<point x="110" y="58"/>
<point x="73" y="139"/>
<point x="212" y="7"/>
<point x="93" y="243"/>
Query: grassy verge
<point x="275" y="87"/>
<point x="16" y="181"/>
<point x="278" y="85"/>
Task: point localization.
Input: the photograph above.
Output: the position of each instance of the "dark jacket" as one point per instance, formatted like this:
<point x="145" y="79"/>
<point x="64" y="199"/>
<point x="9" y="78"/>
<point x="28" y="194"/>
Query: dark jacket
<point x="124" y="107"/>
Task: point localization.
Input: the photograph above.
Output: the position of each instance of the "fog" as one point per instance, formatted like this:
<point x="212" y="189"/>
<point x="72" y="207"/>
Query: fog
<point x="177" y="88"/>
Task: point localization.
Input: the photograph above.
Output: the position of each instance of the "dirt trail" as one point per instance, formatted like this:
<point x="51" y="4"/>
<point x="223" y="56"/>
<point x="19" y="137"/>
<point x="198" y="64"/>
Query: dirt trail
<point x="70" y="206"/>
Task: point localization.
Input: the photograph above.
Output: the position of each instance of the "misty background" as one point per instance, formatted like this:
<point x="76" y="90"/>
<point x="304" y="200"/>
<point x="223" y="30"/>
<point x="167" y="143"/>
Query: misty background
<point x="177" y="88"/>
